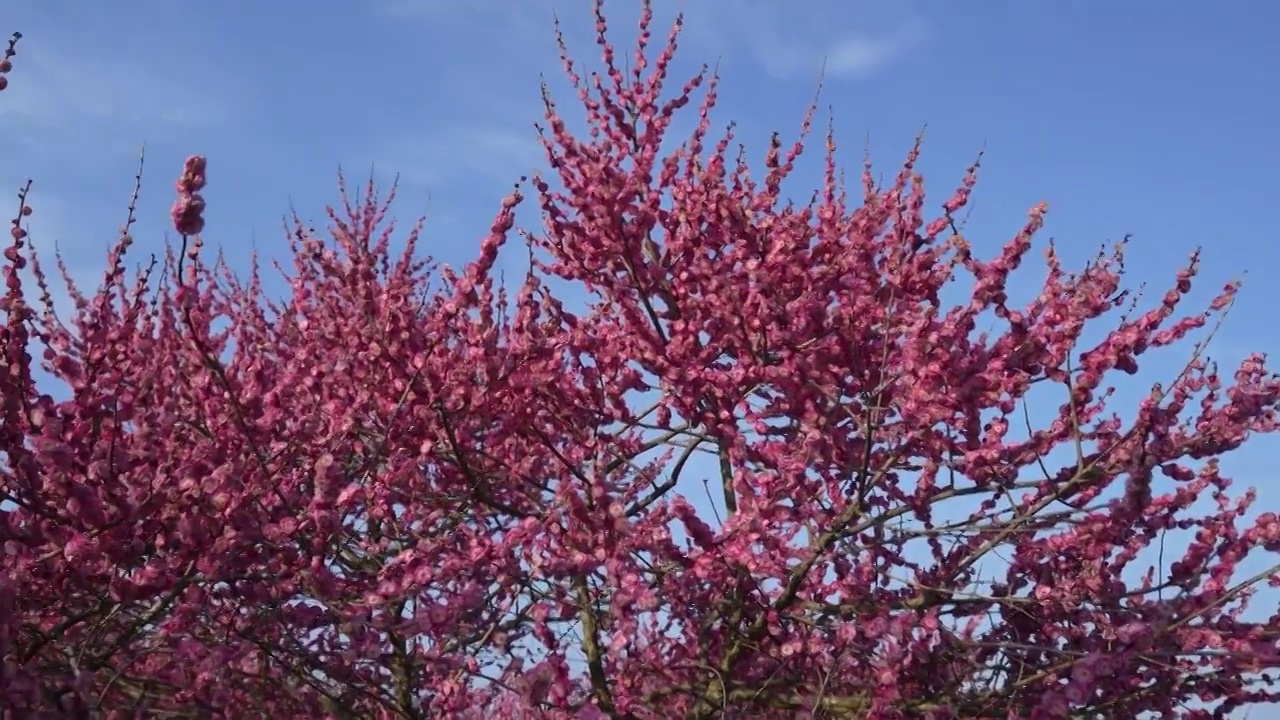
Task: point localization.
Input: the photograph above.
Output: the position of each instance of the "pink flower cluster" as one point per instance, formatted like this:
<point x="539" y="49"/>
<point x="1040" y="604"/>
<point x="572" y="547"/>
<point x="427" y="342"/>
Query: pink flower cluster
<point x="188" y="209"/>
<point x="6" y="62"/>
<point x="765" y="471"/>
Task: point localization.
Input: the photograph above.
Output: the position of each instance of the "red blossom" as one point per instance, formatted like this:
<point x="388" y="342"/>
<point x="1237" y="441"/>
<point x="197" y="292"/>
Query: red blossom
<point x="410" y="492"/>
<point x="6" y="63"/>
<point x="188" y="209"/>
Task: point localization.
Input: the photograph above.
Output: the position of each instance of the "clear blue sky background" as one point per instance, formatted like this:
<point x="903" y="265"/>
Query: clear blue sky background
<point x="1150" y="118"/>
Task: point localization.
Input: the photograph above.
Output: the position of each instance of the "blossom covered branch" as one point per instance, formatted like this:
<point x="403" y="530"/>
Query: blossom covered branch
<point x="408" y="491"/>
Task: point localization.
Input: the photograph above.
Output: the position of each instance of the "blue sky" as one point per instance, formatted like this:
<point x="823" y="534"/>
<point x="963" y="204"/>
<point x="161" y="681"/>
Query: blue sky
<point x="1142" y="118"/>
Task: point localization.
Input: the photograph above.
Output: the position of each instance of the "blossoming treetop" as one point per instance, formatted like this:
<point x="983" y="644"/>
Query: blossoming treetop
<point x="390" y="497"/>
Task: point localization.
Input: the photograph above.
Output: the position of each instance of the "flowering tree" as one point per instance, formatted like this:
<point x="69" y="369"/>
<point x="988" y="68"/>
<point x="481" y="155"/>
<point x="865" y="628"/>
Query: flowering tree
<point x="402" y="492"/>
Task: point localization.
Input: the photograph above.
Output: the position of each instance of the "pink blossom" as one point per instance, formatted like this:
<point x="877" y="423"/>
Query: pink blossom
<point x="410" y="491"/>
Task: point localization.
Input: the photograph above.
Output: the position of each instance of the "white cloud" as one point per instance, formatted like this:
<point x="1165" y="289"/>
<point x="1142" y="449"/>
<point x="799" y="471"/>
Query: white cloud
<point x="51" y="84"/>
<point x="856" y="56"/>
<point x="64" y="101"/>
<point x="797" y="39"/>
<point x="494" y="89"/>
<point x="784" y="39"/>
